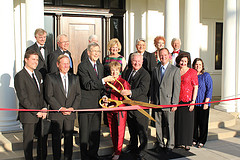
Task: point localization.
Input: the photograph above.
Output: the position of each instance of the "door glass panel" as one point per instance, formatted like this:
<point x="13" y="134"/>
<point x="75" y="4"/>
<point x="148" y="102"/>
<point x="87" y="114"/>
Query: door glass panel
<point x="218" y="46"/>
<point x="89" y="3"/>
<point x="49" y="27"/>
<point x="116" y="30"/>
<point x="48" y="1"/>
<point x="114" y="4"/>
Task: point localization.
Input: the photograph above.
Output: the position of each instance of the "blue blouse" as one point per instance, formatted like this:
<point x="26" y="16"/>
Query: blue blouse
<point x="205" y="87"/>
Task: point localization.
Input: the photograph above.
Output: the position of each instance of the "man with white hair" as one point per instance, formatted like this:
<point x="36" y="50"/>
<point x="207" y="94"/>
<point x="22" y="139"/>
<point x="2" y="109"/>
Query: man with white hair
<point x="176" y="44"/>
<point x="139" y="79"/>
<point x="149" y="60"/>
<point x="63" y="45"/>
<point x="91" y="39"/>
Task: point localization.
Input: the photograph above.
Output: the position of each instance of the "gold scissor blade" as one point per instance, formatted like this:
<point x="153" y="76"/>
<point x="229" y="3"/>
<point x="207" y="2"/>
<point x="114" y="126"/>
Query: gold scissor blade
<point x="129" y="101"/>
<point x="146" y="114"/>
<point x="144" y="104"/>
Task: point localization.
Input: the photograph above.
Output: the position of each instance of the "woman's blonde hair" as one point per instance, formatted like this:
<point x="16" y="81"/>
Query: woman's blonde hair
<point x="112" y="42"/>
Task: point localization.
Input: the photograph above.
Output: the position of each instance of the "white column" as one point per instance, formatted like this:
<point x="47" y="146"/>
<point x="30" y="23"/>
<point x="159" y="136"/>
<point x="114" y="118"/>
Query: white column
<point x="7" y="94"/>
<point x="191" y="28"/>
<point x="229" y="57"/>
<point x="171" y="27"/>
<point x="238" y="57"/>
<point x="34" y="18"/>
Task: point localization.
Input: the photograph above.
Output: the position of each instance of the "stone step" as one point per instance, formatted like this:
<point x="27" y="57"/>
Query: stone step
<point x="221" y="125"/>
<point x="227" y="132"/>
<point x="13" y="141"/>
<point x="219" y="119"/>
<point x="104" y="149"/>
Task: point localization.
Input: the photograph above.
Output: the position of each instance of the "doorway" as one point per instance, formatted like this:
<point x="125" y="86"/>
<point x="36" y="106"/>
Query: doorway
<point x="78" y="30"/>
<point x="78" y="24"/>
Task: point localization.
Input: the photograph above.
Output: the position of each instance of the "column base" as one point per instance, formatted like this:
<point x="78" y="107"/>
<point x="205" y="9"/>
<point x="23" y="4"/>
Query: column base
<point x="12" y="126"/>
<point x="226" y="107"/>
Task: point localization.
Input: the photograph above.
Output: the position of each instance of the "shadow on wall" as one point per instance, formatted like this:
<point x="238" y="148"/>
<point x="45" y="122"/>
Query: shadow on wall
<point x="7" y="93"/>
<point x="29" y="43"/>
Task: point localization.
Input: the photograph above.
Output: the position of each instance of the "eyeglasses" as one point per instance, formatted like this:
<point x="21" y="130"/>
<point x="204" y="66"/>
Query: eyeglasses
<point x="64" y="42"/>
<point x="141" y="45"/>
<point x="95" y="51"/>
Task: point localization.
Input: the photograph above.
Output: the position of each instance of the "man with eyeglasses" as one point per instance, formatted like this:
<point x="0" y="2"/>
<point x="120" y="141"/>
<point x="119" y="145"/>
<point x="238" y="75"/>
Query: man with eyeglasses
<point x="90" y="73"/>
<point x="63" y="45"/>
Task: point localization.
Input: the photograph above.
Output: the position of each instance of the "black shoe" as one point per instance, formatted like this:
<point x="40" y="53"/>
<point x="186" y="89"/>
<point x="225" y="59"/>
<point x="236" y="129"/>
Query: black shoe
<point x="168" y="151"/>
<point x="187" y="148"/>
<point x="140" y="156"/>
<point x="159" y="149"/>
<point x="96" y="158"/>
<point x="75" y="132"/>
<point x="130" y="149"/>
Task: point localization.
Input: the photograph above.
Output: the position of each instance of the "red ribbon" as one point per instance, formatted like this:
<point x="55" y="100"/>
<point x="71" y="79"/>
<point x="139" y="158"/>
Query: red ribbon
<point x="126" y="108"/>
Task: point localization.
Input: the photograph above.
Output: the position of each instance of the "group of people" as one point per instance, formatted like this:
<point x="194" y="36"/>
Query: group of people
<point x="47" y="82"/>
<point x="174" y="81"/>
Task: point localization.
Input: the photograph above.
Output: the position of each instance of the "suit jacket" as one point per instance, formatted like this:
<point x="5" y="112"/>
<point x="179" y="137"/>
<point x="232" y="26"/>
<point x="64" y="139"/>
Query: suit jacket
<point x="140" y="84"/>
<point x="56" y="98"/>
<point x="91" y="84"/>
<point x="84" y="55"/>
<point x="52" y="61"/>
<point x="28" y="95"/>
<point x="189" y="63"/>
<point x="165" y="91"/>
<point x="42" y="63"/>
<point x="149" y="61"/>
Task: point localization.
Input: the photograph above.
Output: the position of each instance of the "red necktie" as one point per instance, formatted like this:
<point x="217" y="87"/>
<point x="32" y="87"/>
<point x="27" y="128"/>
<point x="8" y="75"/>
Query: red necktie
<point x="94" y="67"/>
<point x="176" y="52"/>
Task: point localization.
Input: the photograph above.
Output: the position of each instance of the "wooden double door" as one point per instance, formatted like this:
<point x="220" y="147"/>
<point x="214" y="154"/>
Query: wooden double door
<point x="78" y="30"/>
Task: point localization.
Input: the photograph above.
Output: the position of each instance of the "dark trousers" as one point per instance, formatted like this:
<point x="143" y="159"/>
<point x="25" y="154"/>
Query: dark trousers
<point x="29" y="129"/>
<point x="58" y="127"/>
<point x="137" y="125"/>
<point x="200" y="124"/>
<point x="89" y="134"/>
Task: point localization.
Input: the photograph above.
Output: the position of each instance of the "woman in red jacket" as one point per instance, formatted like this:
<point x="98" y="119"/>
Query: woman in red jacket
<point x="116" y="119"/>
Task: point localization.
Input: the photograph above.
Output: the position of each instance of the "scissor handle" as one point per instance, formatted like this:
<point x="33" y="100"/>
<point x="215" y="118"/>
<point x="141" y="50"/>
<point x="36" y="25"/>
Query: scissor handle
<point x="117" y="103"/>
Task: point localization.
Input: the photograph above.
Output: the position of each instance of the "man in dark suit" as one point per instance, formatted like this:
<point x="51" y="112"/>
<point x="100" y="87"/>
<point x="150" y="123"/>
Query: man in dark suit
<point x="29" y="88"/>
<point x="63" y="93"/>
<point x="91" y="39"/>
<point x="176" y="44"/>
<point x="63" y="45"/>
<point x="92" y="83"/>
<point x="40" y="35"/>
<point x="165" y="89"/>
<point x="149" y="60"/>
<point x="139" y="79"/>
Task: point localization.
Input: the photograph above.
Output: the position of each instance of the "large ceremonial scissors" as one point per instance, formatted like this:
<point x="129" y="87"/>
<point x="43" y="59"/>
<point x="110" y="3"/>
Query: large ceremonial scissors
<point x="129" y="101"/>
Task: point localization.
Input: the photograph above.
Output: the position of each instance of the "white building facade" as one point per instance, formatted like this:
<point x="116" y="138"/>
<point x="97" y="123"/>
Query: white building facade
<point x="195" y="22"/>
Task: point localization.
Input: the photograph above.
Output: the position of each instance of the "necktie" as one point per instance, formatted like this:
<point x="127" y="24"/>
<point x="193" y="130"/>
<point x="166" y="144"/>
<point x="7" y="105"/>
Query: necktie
<point x="42" y="47"/>
<point x="42" y="50"/>
<point x="67" y="54"/>
<point x="35" y="81"/>
<point x="176" y="52"/>
<point x="65" y="84"/>
<point x="94" y="67"/>
<point x="131" y="76"/>
<point x="162" y="72"/>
